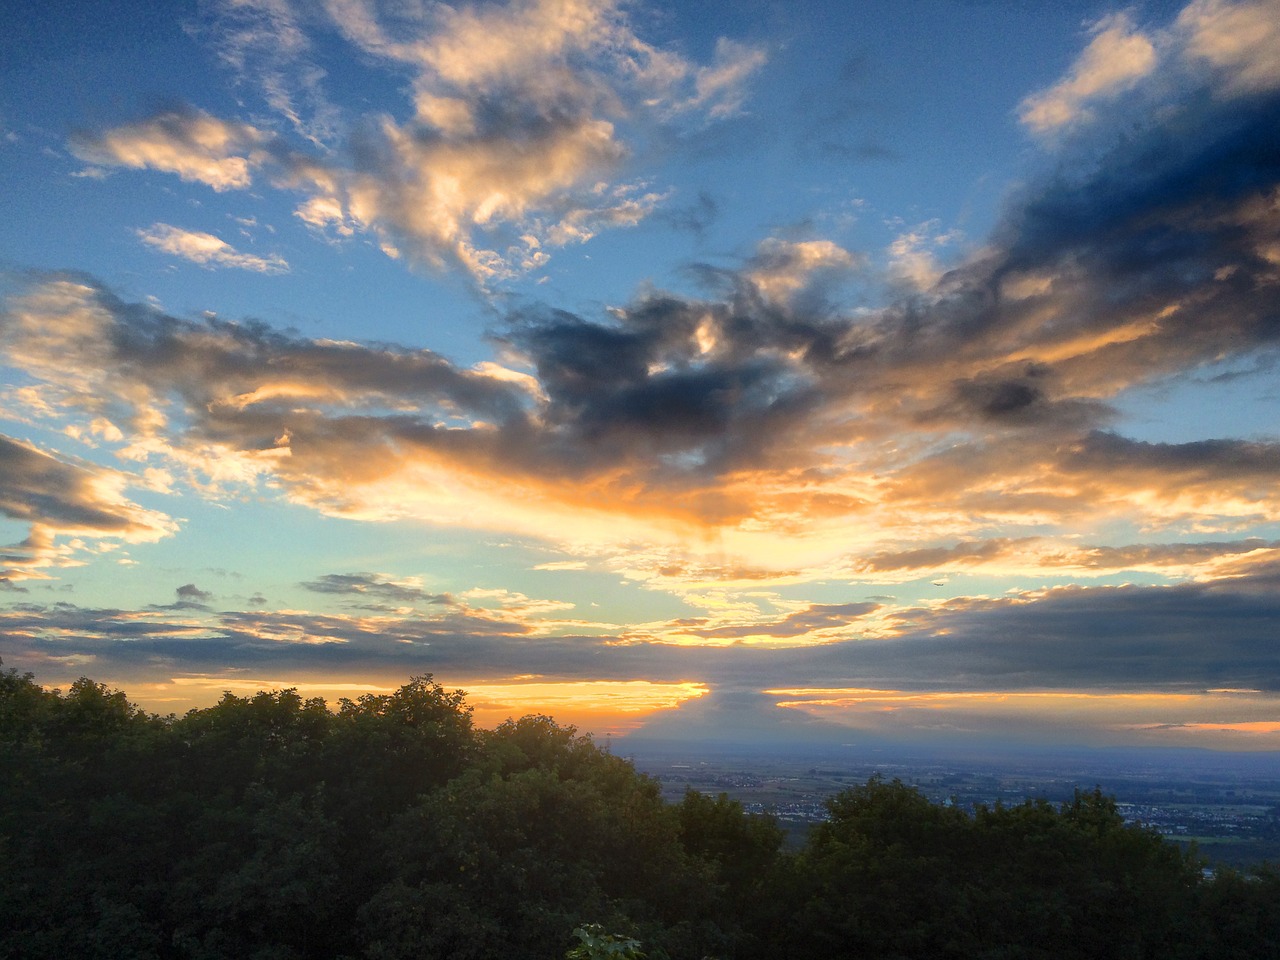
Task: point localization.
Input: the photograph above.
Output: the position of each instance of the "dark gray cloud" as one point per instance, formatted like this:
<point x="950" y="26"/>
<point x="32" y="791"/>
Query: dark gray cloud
<point x="374" y="585"/>
<point x="1198" y="463"/>
<point x="1180" y="638"/>
<point x="927" y="558"/>
<point x="831" y="113"/>
<point x="154" y="642"/>
<point x="234" y="367"/>
<point x="605" y="399"/>
<point x="189" y="597"/>
<point x="817" y="616"/>
<point x="1151" y="263"/>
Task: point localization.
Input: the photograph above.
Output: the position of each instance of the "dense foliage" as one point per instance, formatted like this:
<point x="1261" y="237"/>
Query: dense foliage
<point x="272" y="827"/>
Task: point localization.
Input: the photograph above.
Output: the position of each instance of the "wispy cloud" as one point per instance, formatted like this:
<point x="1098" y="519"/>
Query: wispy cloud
<point x="721" y="87"/>
<point x="1231" y="46"/>
<point x="1116" y="58"/>
<point x="815" y="624"/>
<point x="208" y="250"/>
<point x="516" y="143"/>
<point x="190" y="143"/>
<point x="375" y="586"/>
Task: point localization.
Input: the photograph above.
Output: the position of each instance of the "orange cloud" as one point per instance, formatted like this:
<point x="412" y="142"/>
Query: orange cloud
<point x="666" y="435"/>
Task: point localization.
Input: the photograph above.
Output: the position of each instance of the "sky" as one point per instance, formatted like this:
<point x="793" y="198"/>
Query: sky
<point x="900" y="371"/>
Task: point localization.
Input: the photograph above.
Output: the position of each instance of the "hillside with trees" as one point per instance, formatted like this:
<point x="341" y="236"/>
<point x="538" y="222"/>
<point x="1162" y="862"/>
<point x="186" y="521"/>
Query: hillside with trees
<point x="390" y="827"/>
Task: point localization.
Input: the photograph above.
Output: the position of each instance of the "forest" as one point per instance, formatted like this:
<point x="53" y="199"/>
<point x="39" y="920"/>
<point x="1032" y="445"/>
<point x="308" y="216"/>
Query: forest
<point x="390" y="827"/>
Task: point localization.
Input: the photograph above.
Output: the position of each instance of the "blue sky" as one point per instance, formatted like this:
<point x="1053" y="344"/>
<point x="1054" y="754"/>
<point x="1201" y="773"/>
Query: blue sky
<point x="850" y="370"/>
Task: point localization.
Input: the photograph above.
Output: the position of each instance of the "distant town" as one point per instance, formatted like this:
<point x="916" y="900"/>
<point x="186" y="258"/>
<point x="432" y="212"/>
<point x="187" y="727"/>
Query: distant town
<point x="1227" y="804"/>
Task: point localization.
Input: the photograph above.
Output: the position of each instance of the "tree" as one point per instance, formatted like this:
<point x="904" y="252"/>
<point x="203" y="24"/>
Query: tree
<point x="893" y="875"/>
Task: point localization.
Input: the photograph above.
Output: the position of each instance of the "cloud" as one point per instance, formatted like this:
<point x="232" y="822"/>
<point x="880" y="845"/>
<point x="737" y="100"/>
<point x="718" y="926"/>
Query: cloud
<point x="720" y="86"/>
<point x="1214" y="476"/>
<point x="81" y="341"/>
<point x="812" y="623"/>
<point x="266" y="44"/>
<point x="440" y="196"/>
<point x="750" y="412"/>
<point x="156" y="640"/>
<point x="782" y="270"/>
<point x="517" y="112"/>
<point x="929" y="559"/>
<point x="912" y="256"/>
<point x="190" y="143"/>
<point x="1231" y="45"/>
<point x="724" y="445"/>
<point x="38" y="488"/>
<point x="59" y="500"/>
<point x="377" y="586"/>
<point x="695" y="217"/>
<point x="189" y="597"/>
<point x="1004" y="555"/>
<point x="517" y="141"/>
<point x="1116" y="58"/>
<point x="205" y="248"/>
<point x="1240" y="41"/>
<point x="1039" y="718"/>
<point x="1195" y="636"/>
<point x="189" y="591"/>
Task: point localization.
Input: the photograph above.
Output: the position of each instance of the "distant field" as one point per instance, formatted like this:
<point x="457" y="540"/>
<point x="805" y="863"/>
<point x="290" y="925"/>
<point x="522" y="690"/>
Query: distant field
<point x="1232" y="817"/>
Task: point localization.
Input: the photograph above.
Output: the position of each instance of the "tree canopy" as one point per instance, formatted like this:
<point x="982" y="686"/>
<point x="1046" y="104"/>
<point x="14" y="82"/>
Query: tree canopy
<point x="276" y="828"/>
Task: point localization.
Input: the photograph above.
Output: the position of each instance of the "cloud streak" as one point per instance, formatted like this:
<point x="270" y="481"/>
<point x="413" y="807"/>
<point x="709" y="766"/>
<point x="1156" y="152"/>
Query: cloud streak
<point x="207" y="250"/>
<point x="374" y="586"/>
